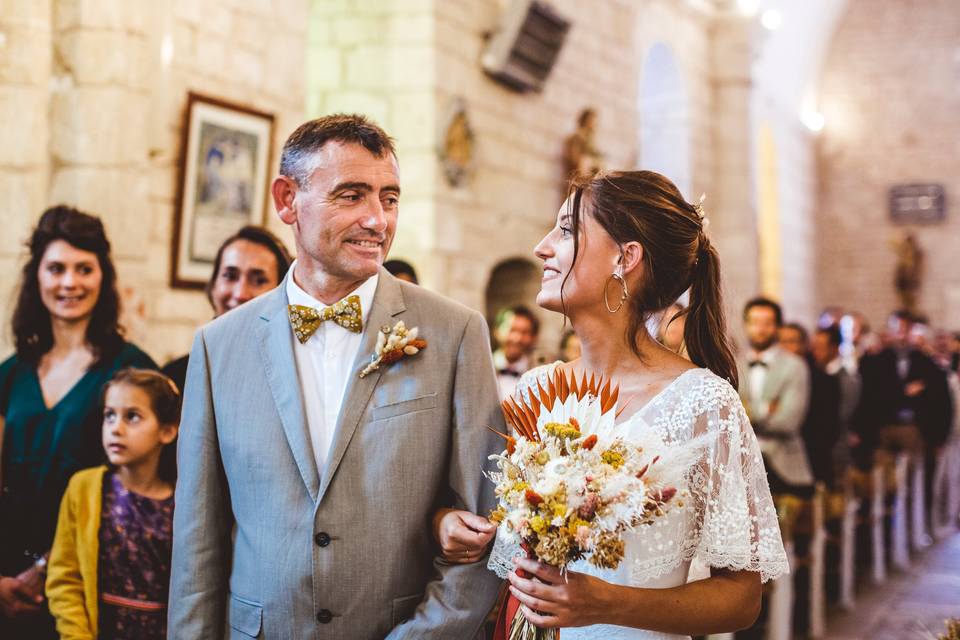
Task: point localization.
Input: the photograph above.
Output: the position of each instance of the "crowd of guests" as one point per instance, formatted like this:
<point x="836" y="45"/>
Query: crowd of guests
<point x="844" y="395"/>
<point x="89" y="421"/>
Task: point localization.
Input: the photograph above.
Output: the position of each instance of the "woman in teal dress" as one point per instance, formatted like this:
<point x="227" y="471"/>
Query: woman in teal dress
<point x="68" y="344"/>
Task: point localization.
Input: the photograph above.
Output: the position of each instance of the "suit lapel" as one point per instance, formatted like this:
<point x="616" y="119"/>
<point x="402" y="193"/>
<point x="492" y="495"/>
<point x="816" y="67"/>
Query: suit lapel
<point x="387" y="303"/>
<point x="275" y="339"/>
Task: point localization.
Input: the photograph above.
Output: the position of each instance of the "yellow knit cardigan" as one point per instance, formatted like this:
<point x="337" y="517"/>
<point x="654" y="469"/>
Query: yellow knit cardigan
<point x="72" y="567"/>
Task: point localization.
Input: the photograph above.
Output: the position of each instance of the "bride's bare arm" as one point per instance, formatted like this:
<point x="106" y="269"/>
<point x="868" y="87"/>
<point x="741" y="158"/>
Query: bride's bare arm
<point x="725" y="602"/>
<point x="463" y="536"/>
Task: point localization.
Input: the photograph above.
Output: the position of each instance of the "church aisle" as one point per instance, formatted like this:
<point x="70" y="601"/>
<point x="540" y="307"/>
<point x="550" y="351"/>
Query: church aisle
<point x="911" y="605"/>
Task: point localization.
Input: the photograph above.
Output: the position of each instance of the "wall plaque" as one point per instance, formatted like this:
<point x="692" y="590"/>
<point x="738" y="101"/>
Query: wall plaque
<point x="917" y="203"/>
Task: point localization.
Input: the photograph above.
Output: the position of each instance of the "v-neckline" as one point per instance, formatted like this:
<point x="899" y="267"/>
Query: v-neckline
<point x="69" y="392"/>
<point x="656" y="397"/>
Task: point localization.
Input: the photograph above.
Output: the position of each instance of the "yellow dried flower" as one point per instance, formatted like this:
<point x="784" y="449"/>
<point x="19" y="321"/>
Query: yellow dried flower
<point x="498" y="514"/>
<point x="539" y="525"/>
<point x="562" y="430"/>
<point x="612" y="458"/>
<point x="607" y="551"/>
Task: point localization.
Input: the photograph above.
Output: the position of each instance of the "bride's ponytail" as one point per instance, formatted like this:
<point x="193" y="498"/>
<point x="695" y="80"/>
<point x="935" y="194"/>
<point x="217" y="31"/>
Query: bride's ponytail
<point x="705" y="332"/>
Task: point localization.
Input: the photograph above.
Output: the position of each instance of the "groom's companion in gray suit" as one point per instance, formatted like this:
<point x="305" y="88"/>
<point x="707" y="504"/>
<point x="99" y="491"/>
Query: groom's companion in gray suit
<point x="775" y="388"/>
<point x="305" y="491"/>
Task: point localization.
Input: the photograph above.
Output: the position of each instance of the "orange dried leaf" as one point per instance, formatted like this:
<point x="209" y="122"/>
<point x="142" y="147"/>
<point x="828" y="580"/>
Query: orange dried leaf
<point x="534" y="498"/>
<point x="604" y="394"/>
<point x="535" y="405"/>
<point x="574" y="387"/>
<point x="590" y="442"/>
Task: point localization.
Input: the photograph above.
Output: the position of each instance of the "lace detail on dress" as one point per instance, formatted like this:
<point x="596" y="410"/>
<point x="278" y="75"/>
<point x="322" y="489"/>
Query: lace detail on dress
<point x="728" y="519"/>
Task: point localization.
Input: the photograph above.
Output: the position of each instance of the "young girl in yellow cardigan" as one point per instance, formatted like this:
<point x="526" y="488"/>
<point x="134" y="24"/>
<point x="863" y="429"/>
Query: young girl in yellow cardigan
<point x="109" y="569"/>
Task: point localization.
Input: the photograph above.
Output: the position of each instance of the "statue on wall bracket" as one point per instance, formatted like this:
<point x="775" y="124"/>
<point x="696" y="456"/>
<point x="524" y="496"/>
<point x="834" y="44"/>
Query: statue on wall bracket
<point x="456" y="148"/>
<point x="908" y="277"/>
<point x="580" y="153"/>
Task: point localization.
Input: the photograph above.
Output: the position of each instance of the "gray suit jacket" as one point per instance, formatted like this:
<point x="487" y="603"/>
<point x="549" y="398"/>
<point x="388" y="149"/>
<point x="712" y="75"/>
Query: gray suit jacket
<point x="787" y="383"/>
<point x="264" y="547"/>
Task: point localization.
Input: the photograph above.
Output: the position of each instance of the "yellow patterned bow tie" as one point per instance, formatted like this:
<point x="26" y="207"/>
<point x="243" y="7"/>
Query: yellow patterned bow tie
<point x="306" y="320"/>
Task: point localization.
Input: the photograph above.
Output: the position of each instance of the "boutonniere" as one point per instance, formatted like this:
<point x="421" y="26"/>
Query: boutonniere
<point x="393" y="344"/>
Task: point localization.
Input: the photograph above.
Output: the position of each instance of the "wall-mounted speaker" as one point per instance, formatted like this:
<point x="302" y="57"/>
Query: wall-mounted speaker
<point x="523" y="50"/>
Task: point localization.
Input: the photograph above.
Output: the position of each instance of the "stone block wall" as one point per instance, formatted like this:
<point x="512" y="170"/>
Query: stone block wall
<point x="93" y="96"/>
<point x="890" y="97"/>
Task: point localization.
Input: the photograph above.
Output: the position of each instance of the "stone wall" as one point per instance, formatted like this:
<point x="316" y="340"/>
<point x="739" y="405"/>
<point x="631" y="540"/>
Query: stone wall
<point x="890" y="97"/>
<point x="93" y="97"/>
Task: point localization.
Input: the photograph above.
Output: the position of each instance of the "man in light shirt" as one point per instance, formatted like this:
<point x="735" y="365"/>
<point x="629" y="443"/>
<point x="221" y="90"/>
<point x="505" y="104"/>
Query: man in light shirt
<point x="516" y="332"/>
<point x="775" y="388"/>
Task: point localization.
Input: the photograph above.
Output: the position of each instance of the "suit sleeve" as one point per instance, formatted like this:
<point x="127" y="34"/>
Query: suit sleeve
<point x="202" y="520"/>
<point x="457" y="601"/>
<point x="64" y="585"/>
<point x="793" y="402"/>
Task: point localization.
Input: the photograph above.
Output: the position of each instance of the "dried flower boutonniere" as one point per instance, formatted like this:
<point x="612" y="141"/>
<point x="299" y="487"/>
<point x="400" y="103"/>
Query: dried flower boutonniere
<point x="393" y="344"/>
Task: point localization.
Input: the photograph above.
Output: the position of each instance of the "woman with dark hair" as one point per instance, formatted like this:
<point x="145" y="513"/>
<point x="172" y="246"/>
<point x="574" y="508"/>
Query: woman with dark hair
<point x="68" y="343"/>
<point x="249" y="263"/>
<point x="625" y="247"/>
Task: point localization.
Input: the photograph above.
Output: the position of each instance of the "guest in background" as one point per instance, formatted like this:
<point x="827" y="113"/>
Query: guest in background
<point x="830" y="317"/>
<point x="825" y="351"/>
<point x="794" y="338"/>
<point x="402" y="270"/>
<point x="672" y="324"/>
<point x="68" y="343"/>
<point x="569" y="346"/>
<point x="822" y="429"/>
<point x="515" y="331"/>
<point x="249" y="263"/>
<point x="110" y="562"/>
<point x="775" y="388"/>
<point x="905" y="402"/>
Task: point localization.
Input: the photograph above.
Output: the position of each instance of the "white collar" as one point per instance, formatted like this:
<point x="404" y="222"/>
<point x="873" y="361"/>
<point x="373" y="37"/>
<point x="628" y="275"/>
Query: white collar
<point x="500" y="362"/>
<point x="767" y="356"/>
<point x="366" y="291"/>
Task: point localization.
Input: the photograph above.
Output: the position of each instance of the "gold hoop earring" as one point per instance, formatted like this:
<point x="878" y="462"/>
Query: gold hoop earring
<point x="623" y="296"/>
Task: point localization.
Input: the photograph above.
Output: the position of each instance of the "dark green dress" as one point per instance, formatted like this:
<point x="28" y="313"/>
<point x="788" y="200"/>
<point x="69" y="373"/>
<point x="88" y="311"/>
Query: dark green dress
<point x="43" y="447"/>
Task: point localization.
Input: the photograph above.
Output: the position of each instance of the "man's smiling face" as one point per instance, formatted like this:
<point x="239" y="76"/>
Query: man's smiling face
<point x="346" y="214"/>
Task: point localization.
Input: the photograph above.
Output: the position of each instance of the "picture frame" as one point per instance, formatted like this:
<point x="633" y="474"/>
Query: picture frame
<point x="222" y="182"/>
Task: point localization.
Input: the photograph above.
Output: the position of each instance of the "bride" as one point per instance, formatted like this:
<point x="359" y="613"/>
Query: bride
<point x="625" y="246"/>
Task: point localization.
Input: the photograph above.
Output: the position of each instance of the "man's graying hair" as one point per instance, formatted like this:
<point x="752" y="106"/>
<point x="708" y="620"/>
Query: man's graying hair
<point x="298" y="158"/>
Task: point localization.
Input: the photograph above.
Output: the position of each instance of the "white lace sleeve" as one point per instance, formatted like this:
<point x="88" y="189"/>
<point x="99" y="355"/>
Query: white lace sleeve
<point x="738" y="523"/>
<point x="504" y="549"/>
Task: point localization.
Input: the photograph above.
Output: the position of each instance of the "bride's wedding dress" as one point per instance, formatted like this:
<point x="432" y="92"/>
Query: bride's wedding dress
<point x="727" y="519"/>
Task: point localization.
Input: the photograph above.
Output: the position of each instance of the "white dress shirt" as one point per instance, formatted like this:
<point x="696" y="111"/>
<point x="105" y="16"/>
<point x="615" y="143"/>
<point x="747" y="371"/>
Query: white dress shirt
<point x="323" y="365"/>
<point x="758" y="378"/>
<point x="508" y="374"/>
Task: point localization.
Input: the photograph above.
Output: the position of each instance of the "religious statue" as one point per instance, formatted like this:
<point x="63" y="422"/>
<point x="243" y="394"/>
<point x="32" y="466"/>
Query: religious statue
<point x="580" y="154"/>
<point x="908" y="276"/>
<point x="457" y="147"/>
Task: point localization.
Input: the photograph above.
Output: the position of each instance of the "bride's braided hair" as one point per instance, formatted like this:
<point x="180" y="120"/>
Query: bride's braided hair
<point x="646" y="207"/>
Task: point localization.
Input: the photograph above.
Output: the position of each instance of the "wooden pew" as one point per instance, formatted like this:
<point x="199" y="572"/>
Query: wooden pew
<point x="899" y="542"/>
<point x="841" y="507"/>
<point x="919" y="539"/>
<point x="876" y="521"/>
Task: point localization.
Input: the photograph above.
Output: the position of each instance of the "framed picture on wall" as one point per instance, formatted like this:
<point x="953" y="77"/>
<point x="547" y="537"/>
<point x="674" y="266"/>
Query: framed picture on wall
<point x="223" y="183"/>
